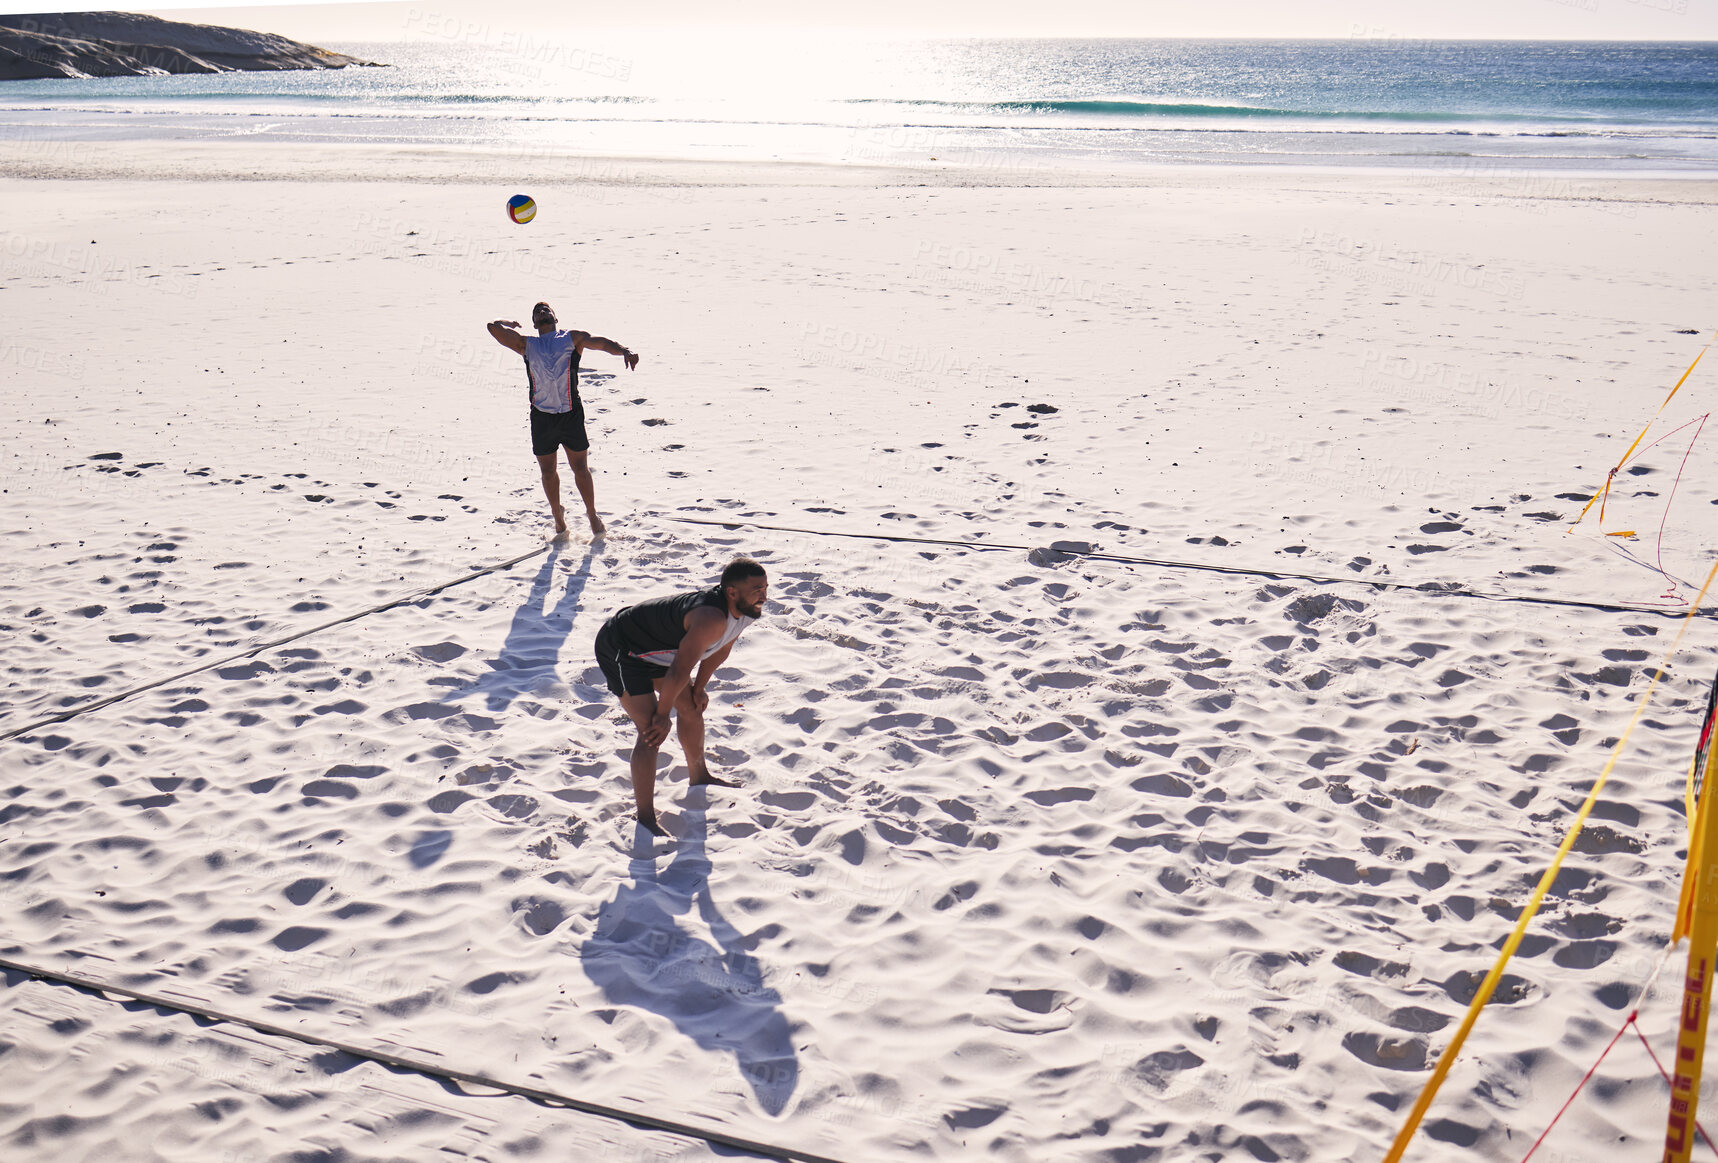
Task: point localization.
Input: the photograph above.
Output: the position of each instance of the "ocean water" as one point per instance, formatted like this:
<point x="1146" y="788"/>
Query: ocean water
<point x="1015" y="107"/>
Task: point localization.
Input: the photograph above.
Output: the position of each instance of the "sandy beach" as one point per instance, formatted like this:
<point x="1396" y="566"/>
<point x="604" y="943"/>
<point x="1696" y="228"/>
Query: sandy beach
<point x="1042" y="854"/>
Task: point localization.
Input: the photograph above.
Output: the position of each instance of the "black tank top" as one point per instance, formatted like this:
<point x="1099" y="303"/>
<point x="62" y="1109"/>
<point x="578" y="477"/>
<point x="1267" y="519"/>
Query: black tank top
<point x="660" y="623"/>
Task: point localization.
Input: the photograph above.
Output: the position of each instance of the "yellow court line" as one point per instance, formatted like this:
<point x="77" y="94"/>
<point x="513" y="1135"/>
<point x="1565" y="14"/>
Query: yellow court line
<point x="1447" y="1059"/>
<point x="1600" y="496"/>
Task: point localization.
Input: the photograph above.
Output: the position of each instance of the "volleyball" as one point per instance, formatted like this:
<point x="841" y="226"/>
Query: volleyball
<point x="521" y="209"/>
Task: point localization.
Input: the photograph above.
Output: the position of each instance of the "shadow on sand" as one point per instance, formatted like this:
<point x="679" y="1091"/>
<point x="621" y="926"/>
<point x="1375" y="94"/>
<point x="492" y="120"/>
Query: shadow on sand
<point x="535" y="638"/>
<point x="640" y="955"/>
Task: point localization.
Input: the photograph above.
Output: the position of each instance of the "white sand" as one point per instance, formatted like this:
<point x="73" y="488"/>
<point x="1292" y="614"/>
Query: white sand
<point x="1037" y="859"/>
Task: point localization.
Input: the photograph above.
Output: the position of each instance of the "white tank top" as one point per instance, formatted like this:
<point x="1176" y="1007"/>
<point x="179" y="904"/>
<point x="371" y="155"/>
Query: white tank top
<point x="731" y="632"/>
<point x="551" y="363"/>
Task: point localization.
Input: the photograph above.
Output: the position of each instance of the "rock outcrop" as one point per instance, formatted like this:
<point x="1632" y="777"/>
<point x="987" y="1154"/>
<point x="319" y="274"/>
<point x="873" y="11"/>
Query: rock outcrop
<point x="125" y="44"/>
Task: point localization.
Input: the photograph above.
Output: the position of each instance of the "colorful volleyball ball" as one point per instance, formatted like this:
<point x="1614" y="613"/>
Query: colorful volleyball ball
<point x="521" y="209"/>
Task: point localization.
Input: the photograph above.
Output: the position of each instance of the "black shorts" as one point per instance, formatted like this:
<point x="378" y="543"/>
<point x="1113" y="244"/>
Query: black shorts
<point x="551" y="430"/>
<point x="626" y="675"/>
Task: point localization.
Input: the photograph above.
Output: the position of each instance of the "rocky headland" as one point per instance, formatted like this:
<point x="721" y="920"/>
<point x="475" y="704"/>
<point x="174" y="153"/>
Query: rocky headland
<point x="126" y="44"/>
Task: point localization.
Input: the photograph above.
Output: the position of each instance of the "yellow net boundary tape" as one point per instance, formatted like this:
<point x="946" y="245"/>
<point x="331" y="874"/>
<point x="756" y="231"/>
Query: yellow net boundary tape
<point x="1599" y="497"/>
<point x="1688" y="798"/>
<point x="1690" y="879"/>
<point x="1697" y="825"/>
<point x="1489" y="985"/>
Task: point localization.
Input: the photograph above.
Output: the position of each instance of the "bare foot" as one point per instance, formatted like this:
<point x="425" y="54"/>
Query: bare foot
<point x="562" y="534"/>
<point x="597" y="527"/>
<point x="649" y="824"/>
<point x="707" y="779"/>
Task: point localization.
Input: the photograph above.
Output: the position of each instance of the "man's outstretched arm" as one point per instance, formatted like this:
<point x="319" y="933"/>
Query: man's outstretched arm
<point x="506" y="333"/>
<point x="600" y="344"/>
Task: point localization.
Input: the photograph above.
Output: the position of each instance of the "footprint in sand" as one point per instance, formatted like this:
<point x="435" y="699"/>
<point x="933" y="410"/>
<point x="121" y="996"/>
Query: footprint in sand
<point x="537" y="916"/>
<point x="509" y="809"/>
<point x="1387" y="1052"/>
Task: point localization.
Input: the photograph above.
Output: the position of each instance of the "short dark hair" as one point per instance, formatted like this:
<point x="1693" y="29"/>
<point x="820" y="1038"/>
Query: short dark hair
<point x="739" y="570"/>
<point x="543" y="309"/>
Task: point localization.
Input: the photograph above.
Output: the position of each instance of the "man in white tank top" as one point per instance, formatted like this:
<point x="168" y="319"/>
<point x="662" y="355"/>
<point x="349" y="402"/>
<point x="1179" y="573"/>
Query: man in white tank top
<point x="557" y="414"/>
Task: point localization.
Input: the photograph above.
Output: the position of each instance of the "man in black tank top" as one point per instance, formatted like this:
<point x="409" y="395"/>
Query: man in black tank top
<point x="647" y="653"/>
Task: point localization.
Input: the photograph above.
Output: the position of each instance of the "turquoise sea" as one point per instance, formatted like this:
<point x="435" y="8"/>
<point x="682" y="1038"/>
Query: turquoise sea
<point x="1018" y="106"/>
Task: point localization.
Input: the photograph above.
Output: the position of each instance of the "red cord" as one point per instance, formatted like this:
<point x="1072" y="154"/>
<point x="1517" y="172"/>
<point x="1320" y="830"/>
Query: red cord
<point x="1620" y="1032"/>
<point x="1627" y="1022"/>
<point x="1670" y="597"/>
<point x="1664" y="1074"/>
<point x="1670" y="500"/>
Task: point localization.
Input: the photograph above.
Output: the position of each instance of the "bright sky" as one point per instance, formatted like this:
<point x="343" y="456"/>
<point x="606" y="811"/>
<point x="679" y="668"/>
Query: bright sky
<point x="1457" y="19"/>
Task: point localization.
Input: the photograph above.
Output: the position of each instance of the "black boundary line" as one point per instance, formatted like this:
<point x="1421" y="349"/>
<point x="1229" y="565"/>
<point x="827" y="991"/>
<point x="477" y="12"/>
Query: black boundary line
<point x="1422" y="588"/>
<point x="1164" y="563"/>
<point x="253" y="651"/>
<point x="382" y="1058"/>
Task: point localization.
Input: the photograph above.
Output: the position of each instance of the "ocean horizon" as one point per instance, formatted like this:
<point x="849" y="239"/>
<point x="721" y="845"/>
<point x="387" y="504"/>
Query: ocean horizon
<point x="1011" y="105"/>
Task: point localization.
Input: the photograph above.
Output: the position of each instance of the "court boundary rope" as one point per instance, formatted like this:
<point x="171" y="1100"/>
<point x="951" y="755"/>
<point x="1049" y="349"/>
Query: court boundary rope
<point x="1430" y="589"/>
<point x="253" y="651"/>
<point x="383" y="1058"/>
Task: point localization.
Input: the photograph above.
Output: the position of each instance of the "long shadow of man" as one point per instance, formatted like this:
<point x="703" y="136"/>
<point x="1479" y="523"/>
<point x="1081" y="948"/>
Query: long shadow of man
<point x="640" y="956"/>
<point x="535" y="638"/>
